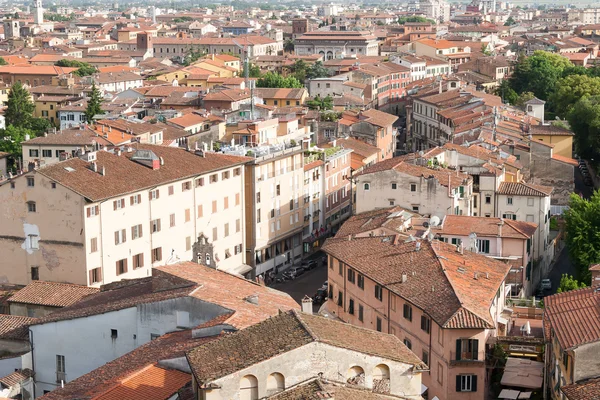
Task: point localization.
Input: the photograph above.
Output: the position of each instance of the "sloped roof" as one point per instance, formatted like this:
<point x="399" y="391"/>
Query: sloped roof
<point x="286" y="332"/>
<point x="584" y="390"/>
<point x="524" y="189"/>
<point x="454" y="289"/>
<point x="15" y="327"/>
<point x="53" y="294"/>
<point x="485" y="226"/>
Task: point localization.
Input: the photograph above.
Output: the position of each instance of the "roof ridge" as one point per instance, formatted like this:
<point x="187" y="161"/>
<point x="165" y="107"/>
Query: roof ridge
<point x="509" y="222"/>
<point x="297" y="314"/>
<point x="440" y="258"/>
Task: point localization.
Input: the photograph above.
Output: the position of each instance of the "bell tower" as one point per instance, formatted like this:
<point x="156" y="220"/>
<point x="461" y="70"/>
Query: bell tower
<point x="38" y="12"/>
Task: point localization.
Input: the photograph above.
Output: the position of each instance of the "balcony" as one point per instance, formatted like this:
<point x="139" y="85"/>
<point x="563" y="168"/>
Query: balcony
<point x="467" y="357"/>
<point x="61" y="377"/>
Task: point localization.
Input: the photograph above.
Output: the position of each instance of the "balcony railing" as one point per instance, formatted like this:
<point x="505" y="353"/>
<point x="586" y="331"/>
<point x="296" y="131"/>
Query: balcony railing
<point x="467" y="357"/>
<point x="61" y="377"/>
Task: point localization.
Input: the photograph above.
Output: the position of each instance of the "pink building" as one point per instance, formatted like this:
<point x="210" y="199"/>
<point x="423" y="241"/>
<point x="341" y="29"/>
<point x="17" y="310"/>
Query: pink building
<point x="444" y="303"/>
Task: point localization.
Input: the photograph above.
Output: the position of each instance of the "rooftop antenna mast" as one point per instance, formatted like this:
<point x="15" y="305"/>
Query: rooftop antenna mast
<point x="247" y="82"/>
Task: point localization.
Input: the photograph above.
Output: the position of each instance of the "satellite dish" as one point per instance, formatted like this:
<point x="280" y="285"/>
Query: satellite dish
<point x="421" y="153"/>
<point x="434" y="221"/>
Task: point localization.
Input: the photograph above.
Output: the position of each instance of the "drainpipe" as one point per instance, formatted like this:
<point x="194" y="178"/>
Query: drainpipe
<point x="32" y="361"/>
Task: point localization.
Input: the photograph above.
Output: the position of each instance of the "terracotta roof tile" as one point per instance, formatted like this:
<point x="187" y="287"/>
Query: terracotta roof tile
<point x="389" y="218"/>
<point x="16" y="377"/>
<point x="178" y="164"/>
<point x="278" y="93"/>
<point x="285" y="332"/>
<point x="15" y="327"/>
<point x="52" y="294"/>
<point x="151" y="383"/>
<point x="574" y="317"/>
<point x="549" y="130"/>
<point x="566" y="160"/>
<point x="359" y="147"/>
<point x="485" y="226"/>
<point x="72" y="137"/>
<point x="379" y="118"/>
<point x="586" y="390"/>
<point x="455" y="289"/>
<point x="524" y="189"/>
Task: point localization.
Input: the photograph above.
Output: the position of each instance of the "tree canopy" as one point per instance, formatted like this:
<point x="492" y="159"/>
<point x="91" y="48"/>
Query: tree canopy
<point x="572" y="88"/>
<point x="322" y="104"/>
<point x="568" y="283"/>
<point x="510" y="21"/>
<point x="94" y="106"/>
<point x="539" y="73"/>
<point x="414" y="18"/>
<point x="584" y="119"/>
<point x="83" y="68"/>
<point x="253" y="71"/>
<point x="274" y="80"/>
<point x="317" y="70"/>
<point x="583" y="233"/>
<point x="19" y="108"/>
<point x="3" y="61"/>
<point x="11" y="138"/>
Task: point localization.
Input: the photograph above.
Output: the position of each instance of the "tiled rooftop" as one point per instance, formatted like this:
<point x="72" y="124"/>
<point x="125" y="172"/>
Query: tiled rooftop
<point x="52" y="294"/>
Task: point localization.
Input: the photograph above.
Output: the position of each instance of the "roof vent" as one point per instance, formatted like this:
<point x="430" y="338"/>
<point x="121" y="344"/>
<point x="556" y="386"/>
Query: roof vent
<point x="417" y="246"/>
<point x="461" y="270"/>
<point x="404" y="278"/>
<point x="475" y="276"/>
<point x="147" y="158"/>
<point x="252" y="299"/>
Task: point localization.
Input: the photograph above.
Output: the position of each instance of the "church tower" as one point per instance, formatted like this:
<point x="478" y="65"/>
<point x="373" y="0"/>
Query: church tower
<point x="38" y="12"/>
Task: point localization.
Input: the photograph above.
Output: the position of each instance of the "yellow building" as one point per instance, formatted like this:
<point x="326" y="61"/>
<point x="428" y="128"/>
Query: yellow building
<point x="218" y="67"/>
<point x="282" y="97"/>
<point x="560" y="138"/>
<point x="181" y="76"/>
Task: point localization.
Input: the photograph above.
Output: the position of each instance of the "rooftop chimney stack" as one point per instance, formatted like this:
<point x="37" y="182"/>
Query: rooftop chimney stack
<point x="307" y="305"/>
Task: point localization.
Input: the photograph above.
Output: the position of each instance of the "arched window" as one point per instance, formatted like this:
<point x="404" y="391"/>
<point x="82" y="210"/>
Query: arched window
<point x="367" y="186"/>
<point x="249" y="388"/>
<point x="275" y="383"/>
<point x="356" y="376"/>
<point x="381" y="379"/>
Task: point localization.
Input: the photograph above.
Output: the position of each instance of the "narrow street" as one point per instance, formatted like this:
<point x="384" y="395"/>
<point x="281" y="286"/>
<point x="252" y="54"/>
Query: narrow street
<point x="305" y="284"/>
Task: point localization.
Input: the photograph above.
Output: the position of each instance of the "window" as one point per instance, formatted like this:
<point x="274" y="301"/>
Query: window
<point x="136" y="232"/>
<point x="361" y="281"/>
<point x="340" y="298"/>
<point x="488" y="199"/>
<point x="186" y="186"/>
<point x="30" y="181"/>
<point x="214" y="178"/>
<point x="118" y="204"/>
<point x="360" y="312"/>
<point x="237" y="199"/>
<point x="188" y="214"/>
<point x="226" y="230"/>
<point x="155" y="225"/>
<point x="60" y="368"/>
<point x="214" y="206"/>
<point x="278" y="189"/>
<point x="114" y="334"/>
<point x="46" y="153"/>
<point x="249" y="388"/>
<point x="237" y="171"/>
<point x="378" y="292"/>
<point x="258" y="197"/>
<point x="509" y="201"/>
<point x="483" y="246"/>
<point x="395" y="186"/>
<point x="530" y="202"/>
<point x="425" y="358"/>
<point x="171" y="190"/>
<point x="425" y="324"/>
<point x="120" y="236"/>
<point x="156" y="254"/>
<point x="378" y="324"/>
<point x="154" y="194"/>
<point x="238" y="225"/>
<point x="466" y="383"/>
<point x="415" y="208"/>
<point x="95" y="275"/>
<point x="33" y="153"/>
<point x="351" y="306"/>
<point x="138" y="261"/>
<point x="121" y="266"/>
<point x="407" y="312"/>
<point x="407" y="343"/>
<point x="31" y="207"/>
<point x="35" y="273"/>
<point x="136" y="199"/>
<point x="215" y="234"/>
<point x="225" y="175"/>
<point x="34" y="242"/>
<point x="225" y="203"/>
<point x="199" y="182"/>
<point x="413" y="187"/>
<point x="351" y="275"/>
<point x="440" y="376"/>
<point x="367" y="186"/>
<point x="467" y="349"/>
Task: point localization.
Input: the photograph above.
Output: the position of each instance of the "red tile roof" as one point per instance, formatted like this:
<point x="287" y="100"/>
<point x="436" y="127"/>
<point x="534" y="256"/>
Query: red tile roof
<point x="15" y="327"/>
<point x="485" y="226"/>
<point x="549" y="130"/>
<point x="566" y="160"/>
<point x="150" y="383"/>
<point x="455" y="289"/>
<point x="574" y="317"/>
<point x="585" y="390"/>
<point x="524" y="189"/>
<point x="53" y="294"/>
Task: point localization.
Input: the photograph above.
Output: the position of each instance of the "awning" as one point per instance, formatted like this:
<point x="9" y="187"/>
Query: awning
<point x="241" y="269"/>
<point x="423" y="388"/>
<point x="520" y="372"/>
<point x="503" y="321"/>
<point x="509" y="394"/>
<point x="525" y="395"/>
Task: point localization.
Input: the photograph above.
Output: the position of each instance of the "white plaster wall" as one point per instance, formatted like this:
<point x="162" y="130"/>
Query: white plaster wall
<point x="9" y="365"/>
<point x="308" y="361"/>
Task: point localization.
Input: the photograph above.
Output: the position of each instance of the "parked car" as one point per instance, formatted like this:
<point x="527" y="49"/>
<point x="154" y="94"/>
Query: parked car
<point x="325" y="285"/>
<point x="309" y="265"/>
<point x="296" y="271"/>
<point x="320" y="297"/>
<point x="546" y="284"/>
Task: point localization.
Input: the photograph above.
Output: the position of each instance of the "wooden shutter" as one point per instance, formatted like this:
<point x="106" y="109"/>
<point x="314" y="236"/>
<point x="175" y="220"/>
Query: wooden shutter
<point x="475" y="346"/>
<point x="91" y="276"/>
<point x="157" y="194"/>
<point x="160" y="253"/>
<point x="130" y="200"/>
<point x="116" y="237"/>
<point x="117" y="265"/>
<point x="89" y="212"/>
<point x="97" y="209"/>
<point x="458" y="349"/>
<point x="115" y="205"/>
<point x="158" y="221"/>
<point x="458" y="383"/>
<point x="139" y="196"/>
<point x="473" y="383"/>
<point x="123" y="203"/>
<point x="125" y="266"/>
<point x="422" y="322"/>
<point x="150" y="195"/>
<point x="140" y="230"/>
<point x="124" y="235"/>
<point x="132" y="232"/>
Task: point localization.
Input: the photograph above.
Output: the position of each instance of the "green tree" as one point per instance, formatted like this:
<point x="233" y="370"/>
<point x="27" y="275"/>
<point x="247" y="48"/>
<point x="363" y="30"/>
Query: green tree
<point x="539" y="73"/>
<point x="299" y="69"/>
<point x="253" y="71"/>
<point x="507" y="93"/>
<point x="510" y="21"/>
<point x="11" y="138"/>
<point x="83" y="68"/>
<point x="524" y="98"/>
<point x="572" y="88"/>
<point x="484" y="49"/>
<point x="319" y="103"/>
<point x="3" y="61"/>
<point x="584" y="119"/>
<point x="317" y="70"/>
<point x="94" y="106"/>
<point x="192" y="56"/>
<point x="39" y="125"/>
<point x="583" y="233"/>
<point x="568" y="283"/>
<point x="414" y="18"/>
<point x="274" y="80"/>
<point x="288" y="45"/>
<point x="19" y="108"/>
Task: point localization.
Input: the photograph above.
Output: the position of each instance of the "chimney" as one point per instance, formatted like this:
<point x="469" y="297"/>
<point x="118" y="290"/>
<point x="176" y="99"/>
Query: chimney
<point x="307" y="305"/>
<point x="103" y="171"/>
<point x="404" y="278"/>
<point x="118" y="152"/>
<point x="417" y="246"/>
<point x="94" y="166"/>
<point x="162" y="161"/>
<point x="500" y="227"/>
<point x="156" y="164"/>
<point x="475" y="276"/>
<point x="462" y="248"/>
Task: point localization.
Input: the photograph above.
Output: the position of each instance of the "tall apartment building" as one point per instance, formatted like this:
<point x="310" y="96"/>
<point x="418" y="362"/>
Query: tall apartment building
<point x="104" y="216"/>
